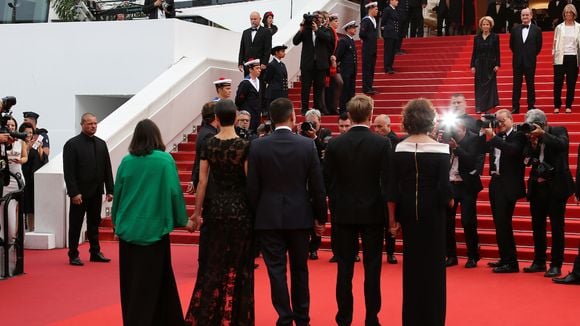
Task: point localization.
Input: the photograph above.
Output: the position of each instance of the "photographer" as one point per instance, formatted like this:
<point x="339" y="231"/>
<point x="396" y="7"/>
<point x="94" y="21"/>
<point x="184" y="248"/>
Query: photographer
<point x="505" y="146"/>
<point x="465" y="186"/>
<point x="159" y="9"/>
<point x="549" y="186"/>
<point x="243" y="126"/>
<point x="314" y="59"/>
<point x="311" y="128"/>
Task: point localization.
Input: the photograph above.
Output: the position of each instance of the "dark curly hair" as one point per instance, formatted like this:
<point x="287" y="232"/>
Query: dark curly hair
<point x="418" y="116"/>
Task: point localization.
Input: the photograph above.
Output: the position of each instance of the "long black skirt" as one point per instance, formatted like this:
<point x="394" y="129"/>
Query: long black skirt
<point x="486" y="95"/>
<point x="148" y="289"/>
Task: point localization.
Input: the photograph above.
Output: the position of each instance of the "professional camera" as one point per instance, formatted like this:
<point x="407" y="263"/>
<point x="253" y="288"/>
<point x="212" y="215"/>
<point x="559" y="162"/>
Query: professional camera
<point x="7" y="103"/>
<point x="543" y="170"/>
<point x="167" y="6"/>
<point x="488" y="121"/>
<point x="309" y="19"/>
<point x="307" y="126"/>
<point x="527" y="127"/>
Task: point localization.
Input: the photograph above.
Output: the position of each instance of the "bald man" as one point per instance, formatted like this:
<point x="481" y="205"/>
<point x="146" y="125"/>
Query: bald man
<point x="256" y="43"/>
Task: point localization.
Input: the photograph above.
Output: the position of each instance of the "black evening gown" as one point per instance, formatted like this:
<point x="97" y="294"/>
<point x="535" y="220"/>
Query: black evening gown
<point x="484" y="58"/>
<point x="421" y="190"/>
<point x="224" y="288"/>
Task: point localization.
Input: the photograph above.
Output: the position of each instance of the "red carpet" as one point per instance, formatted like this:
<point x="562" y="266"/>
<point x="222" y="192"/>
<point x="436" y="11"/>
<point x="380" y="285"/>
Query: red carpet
<point x="54" y="293"/>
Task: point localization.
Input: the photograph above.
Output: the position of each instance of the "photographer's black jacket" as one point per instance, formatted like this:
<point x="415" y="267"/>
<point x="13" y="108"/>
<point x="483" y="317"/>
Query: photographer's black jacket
<point x="469" y="155"/>
<point x="556" y="144"/>
<point x="150" y="9"/>
<point x="511" y="163"/>
<point x="87" y="166"/>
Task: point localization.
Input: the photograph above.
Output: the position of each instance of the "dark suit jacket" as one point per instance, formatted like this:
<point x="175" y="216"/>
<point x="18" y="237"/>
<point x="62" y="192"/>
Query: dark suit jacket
<point x="356" y="168"/>
<point x="368" y="34"/>
<point x="555" y="11"/>
<point x="394" y="139"/>
<point x="258" y="49"/>
<point x="469" y="155"/>
<point x="314" y="56"/>
<point x="150" y="9"/>
<point x="511" y="163"/>
<point x="524" y="54"/>
<point x="346" y="58"/>
<point x="248" y="98"/>
<point x="277" y="79"/>
<point x="87" y="168"/>
<point x="205" y="132"/>
<point x="556" y="143"/>
<point x="285" y="186"/>
<point x="499" y="17"/>
<point x="390" y="23"/>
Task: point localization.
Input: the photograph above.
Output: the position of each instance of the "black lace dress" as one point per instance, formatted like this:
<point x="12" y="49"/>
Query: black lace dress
<point x="224" y="288"/>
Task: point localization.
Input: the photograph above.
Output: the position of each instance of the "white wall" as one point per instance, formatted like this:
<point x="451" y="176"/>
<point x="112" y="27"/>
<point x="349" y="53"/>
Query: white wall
<point x="62" y="70"/>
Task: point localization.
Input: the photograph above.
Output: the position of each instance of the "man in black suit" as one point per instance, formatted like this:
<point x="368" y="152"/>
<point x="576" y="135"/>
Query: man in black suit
<point x="549" y="186"/>
<point x="256" y="43"/>
<point x="87" y="168"/>
<point x="525" y="44"/>
<point x="346" y="60"/>
<point x="464" y="174"/>
<point x="555" y="9"/>
<point x="368" y="35"/>
<point x="159" y="9"/>
<point x="314" y="61"/>
<point x="358" y="206"/>
<point x="416" y="17"/>
<point x="390" y="25"/>
<point x="442" y="11"/>
<point x="286" y="191"/>
<point x="209" y="128"/>
<point x="500" y="14"/>
<point x="382" y="127"/>
<point x="505" y="145"/>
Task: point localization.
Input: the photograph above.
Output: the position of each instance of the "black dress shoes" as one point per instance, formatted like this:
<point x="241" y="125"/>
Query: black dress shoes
<point x="370" y="92"/>
<point x="506" y="268"/>
<point x="75" y="261"/>
<point x="571" y="278"/>
<point x="535" y="268"/>
<point x="391" y="259"/>
<point x="332" y="259"/>
<point x="553" y="272"/>
<point x="313" y="255"/>
<point x="99" y="258"/>
<point x="515" y="111"/>
<point x="471" y="263"/>
<point x="451" y="261"/>
<point x="495" y="263"/>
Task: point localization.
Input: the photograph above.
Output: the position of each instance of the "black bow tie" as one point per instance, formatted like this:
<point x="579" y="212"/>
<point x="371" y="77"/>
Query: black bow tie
<point x="254" y="29"/>
<point x="525" y="26"/>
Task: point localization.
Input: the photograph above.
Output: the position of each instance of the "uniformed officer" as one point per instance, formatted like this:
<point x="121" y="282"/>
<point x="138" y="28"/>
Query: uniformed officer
<point x="276" y="76"/>
<point x="368" y="35"/>
<point x="223" y="87"/>
<point x="391" y="27"/>
<point x="346" y="60"/>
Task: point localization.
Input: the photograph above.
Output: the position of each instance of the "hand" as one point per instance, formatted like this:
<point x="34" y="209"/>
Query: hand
<point x="190" y="188"/>
<point x="394" y="228"/>
<point x="473" y="70"/>
<point x="332" y="58"/>
<point x="452" y="143"/>
<point x="109" y="198"/>
<point x="263" y="67"/>
<point x="4" y="138"/>
<point x="158" y="3"/>
<point x="538" y="132"/>
<point x="451" y="202"/>
<point x="194" y="223"/>
<point x="77" y="200"/>
<point x="495" y="69"/>
<point x="311" y="133"/>
<point x="241" y="68"/>
<point x="423" y="6"/>
<point x="314" y="27"/>
<point x="489" y="134"/>
<point x="319" y="228"/>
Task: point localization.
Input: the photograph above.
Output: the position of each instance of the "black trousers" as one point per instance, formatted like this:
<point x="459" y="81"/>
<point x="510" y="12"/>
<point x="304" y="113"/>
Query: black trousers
<point x="312" y="78"/>
<point x="390" y="48"/>
<point x="389" y="241"/>
<point x="569" y="68"/>
<point x="348" y="90"/>
<point x="92" y="207"/>
<point x="369" y="61"/>
<point x="468" y="200"/>
<point x="345" y="251"/>
<point x="518" y="73"/>
<point x="315" y="242"/>
<point x="502" y="208"/>
<point x="442" y="22"/>
<point x="148" y="290"/>
<point x="542" y="205"/>
<point x="416" y="21"/>
<point x="404" y="21"/>
<point x="275" y="245"/>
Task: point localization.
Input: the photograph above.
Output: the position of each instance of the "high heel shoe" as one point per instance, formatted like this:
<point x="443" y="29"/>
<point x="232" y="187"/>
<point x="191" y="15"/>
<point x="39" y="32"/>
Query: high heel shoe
<point x="556" y="111"/>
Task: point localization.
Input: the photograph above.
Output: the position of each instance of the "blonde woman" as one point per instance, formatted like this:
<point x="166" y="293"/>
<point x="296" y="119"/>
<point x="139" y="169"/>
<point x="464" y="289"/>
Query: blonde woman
<point x="566" y="53"/>
<point x="485" y="62"/>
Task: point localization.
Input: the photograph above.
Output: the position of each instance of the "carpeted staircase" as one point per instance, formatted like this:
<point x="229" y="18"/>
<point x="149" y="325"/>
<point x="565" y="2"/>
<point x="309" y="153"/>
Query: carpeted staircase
<point x="435" y="68"/>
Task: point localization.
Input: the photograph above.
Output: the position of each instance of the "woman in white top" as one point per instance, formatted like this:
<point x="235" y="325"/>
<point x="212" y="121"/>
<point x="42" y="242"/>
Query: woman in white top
<point x="566" y="53"/>
<point x="17" y="155"/>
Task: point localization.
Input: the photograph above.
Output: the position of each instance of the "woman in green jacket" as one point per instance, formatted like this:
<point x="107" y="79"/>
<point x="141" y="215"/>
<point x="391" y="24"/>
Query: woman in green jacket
<point x="148" y="205"/>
